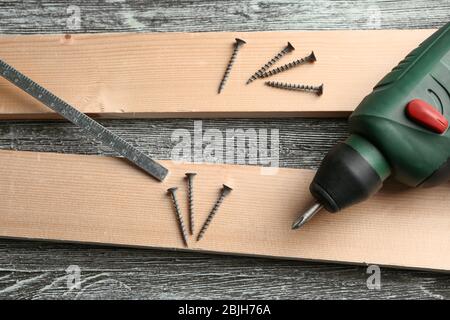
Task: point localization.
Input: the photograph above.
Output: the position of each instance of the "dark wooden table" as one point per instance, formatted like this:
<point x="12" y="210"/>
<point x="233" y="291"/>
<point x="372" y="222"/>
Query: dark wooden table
<point x="37" y="270"/>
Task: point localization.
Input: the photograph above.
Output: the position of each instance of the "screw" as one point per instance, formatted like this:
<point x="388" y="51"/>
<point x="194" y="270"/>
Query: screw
<point x="172" y="192"/>
<point x="238" y="44"/>
<point x="296" y="87"/>
<point x="224" y="192"/>
<point x="190" y="179"/>
<point x="311" y="58"/>
<point x="278" y="56"/>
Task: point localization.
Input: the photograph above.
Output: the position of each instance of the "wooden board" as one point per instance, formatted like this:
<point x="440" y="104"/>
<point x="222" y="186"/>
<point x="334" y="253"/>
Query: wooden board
<point x="177" y="74"/>
<point x="104" y="200"/>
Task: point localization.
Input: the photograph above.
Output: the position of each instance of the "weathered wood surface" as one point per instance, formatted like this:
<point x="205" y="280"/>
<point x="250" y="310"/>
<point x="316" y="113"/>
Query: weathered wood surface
<point x="37" y="270"/>
<point x="36" y="16"/>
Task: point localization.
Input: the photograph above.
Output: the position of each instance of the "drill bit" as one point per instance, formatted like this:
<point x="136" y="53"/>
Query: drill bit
<point x="296" y="87"/>
<point x="307" y="215"/>
<point x="172" y="192"/>
<point x="311" y="58"/>
<point x="238" y="44"/>
<point x="278" y="56"/>
<point x="225" y="191"/>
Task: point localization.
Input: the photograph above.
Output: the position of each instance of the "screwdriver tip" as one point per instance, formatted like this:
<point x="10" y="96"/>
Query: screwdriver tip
<point x="307" y="215"/>
<point x="298" y="223"/>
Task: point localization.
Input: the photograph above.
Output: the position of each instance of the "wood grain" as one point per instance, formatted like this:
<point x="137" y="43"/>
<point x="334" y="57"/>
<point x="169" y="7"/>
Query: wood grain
<point x="36" y="270"/>
<point x="52" y="16"/>
<point x="105" y="200"/>
<point x="177" y="74"/>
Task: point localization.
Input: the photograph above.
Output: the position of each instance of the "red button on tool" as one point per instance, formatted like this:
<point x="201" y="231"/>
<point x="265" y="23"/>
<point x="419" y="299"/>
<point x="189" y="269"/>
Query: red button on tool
<point x="426" y="115"/>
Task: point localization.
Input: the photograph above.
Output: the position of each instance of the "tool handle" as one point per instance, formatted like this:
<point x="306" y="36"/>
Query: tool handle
<point x="413" y="149"/>
<point x="430" y="50"/>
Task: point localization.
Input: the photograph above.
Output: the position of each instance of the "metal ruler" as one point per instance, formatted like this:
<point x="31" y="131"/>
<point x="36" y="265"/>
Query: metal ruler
<point x="83" y="121"/>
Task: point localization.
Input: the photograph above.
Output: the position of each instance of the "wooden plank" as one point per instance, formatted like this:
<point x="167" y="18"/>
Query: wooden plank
<point x="177" y="74"/>
<point x="104" y="200"/>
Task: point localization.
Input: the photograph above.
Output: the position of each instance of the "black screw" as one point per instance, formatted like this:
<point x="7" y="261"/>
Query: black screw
<point x="224" y="192"/>
<point x="172" y="192"/>
<point x="190" y="179"/>
<point x="296" y="87"/>
<point x="278" y="56"/>
<point x="311" y="58"/>
<point x="238" y="44"/>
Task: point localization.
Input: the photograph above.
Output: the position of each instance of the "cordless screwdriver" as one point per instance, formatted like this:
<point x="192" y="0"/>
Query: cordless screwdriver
<point x="399" y="130"/>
